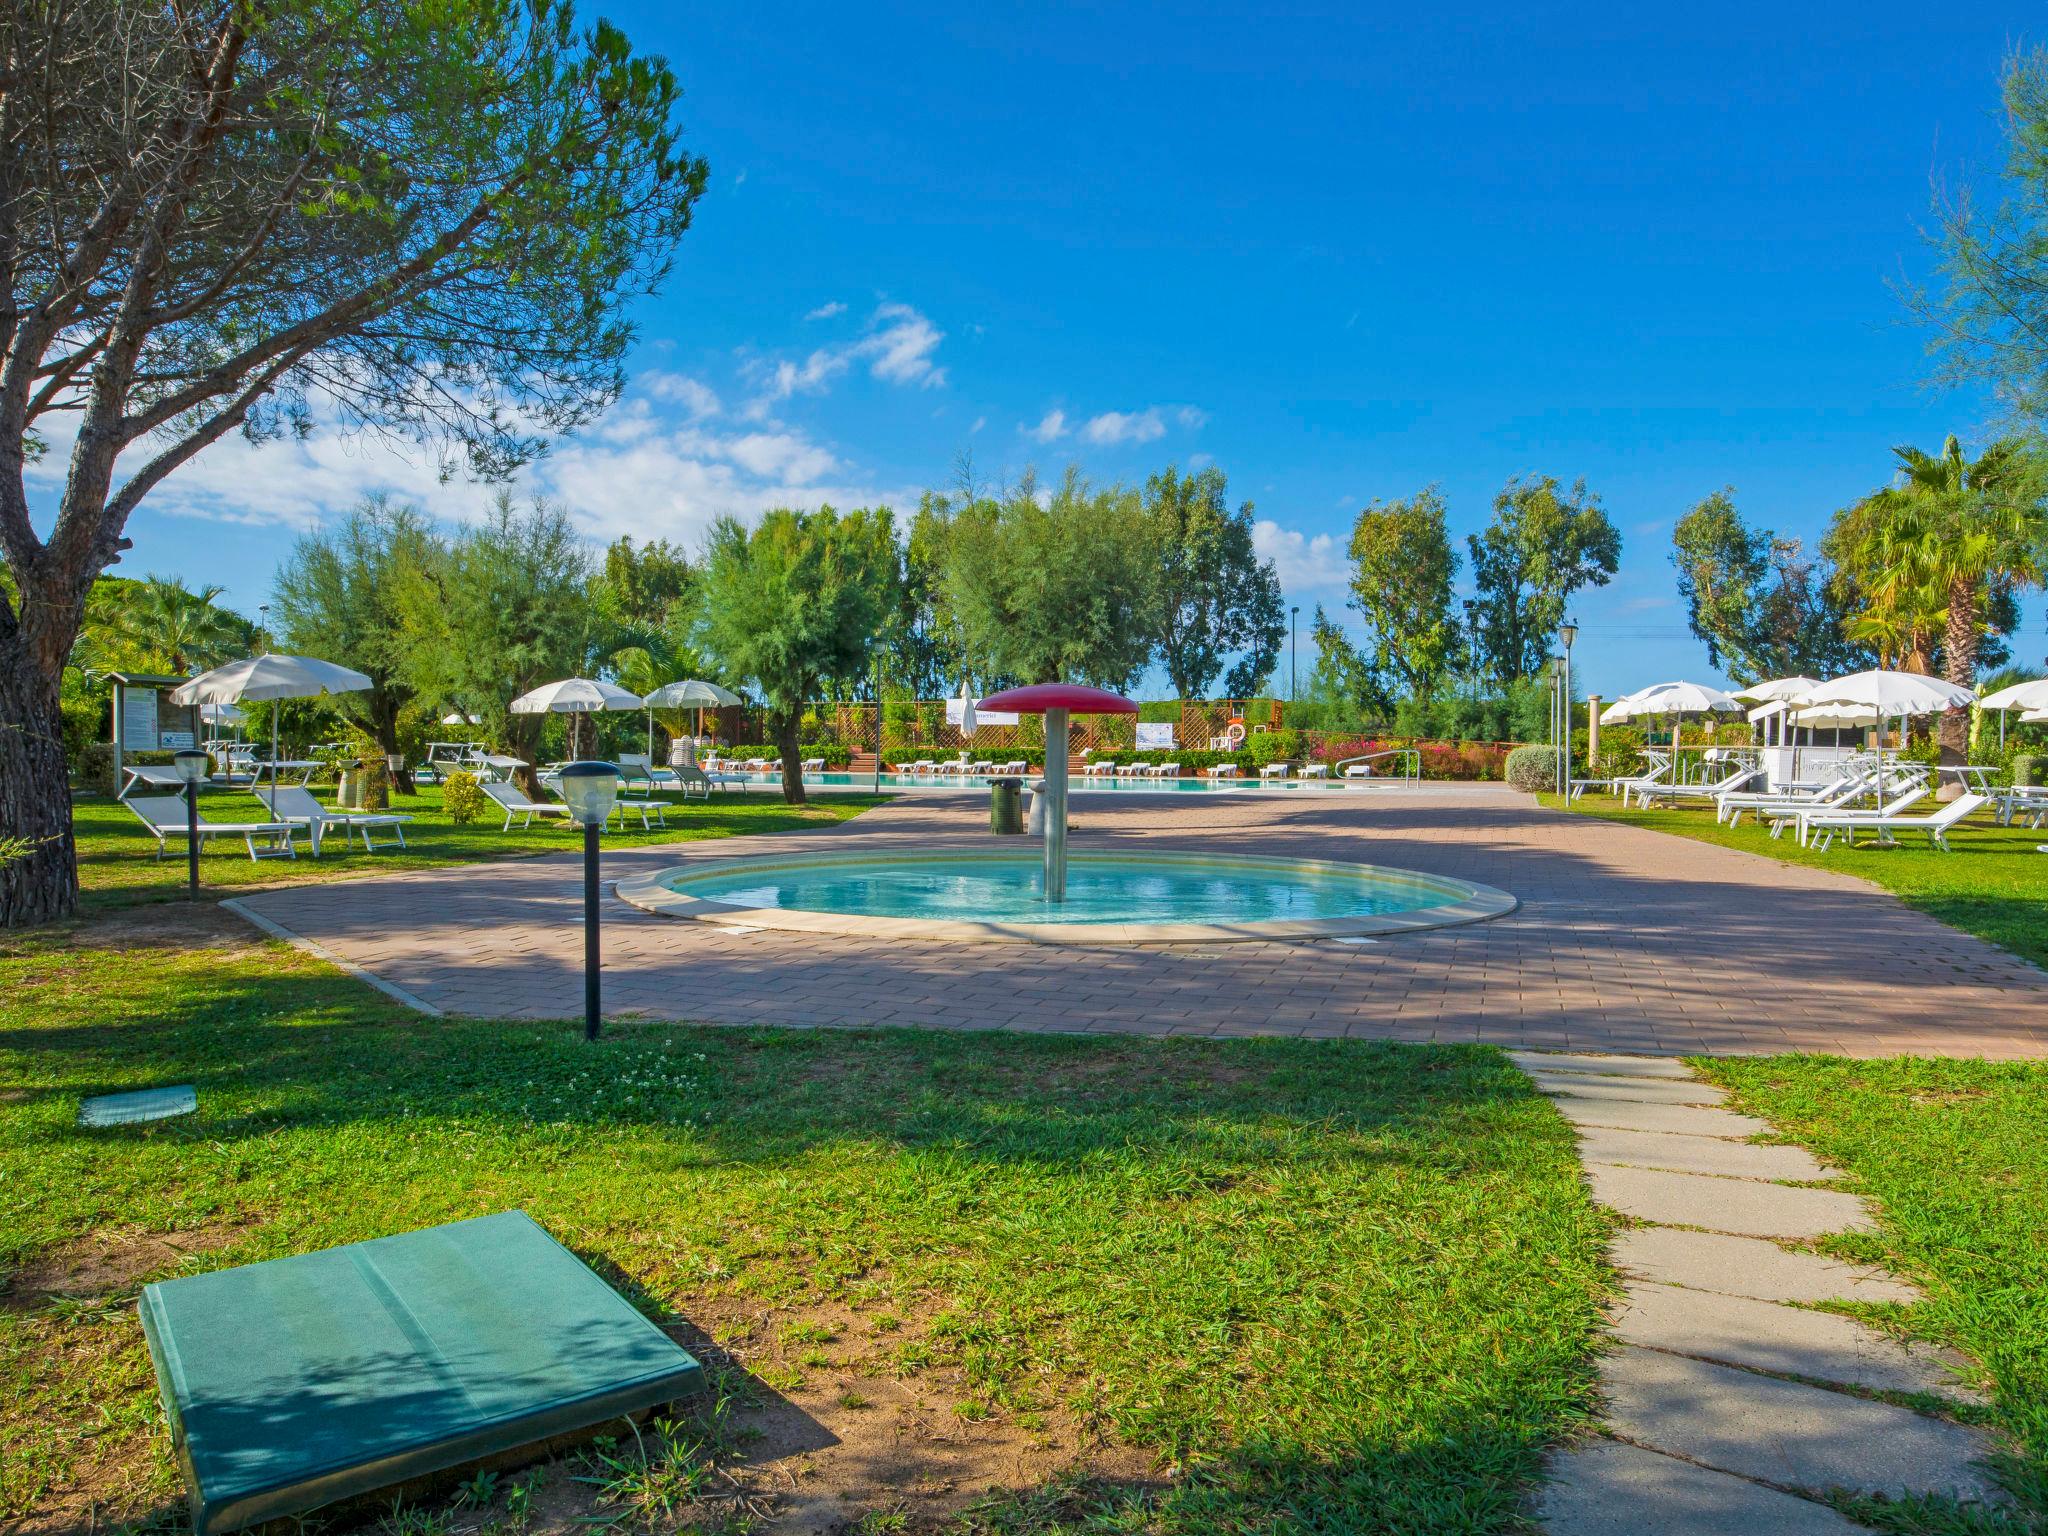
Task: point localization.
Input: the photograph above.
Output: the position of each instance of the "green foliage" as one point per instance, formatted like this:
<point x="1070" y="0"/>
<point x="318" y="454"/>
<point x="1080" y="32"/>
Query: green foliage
<point x="793" y="603"/>
<point x="340" y="597"/>
<point x="1936" y="551"/>
<point x="2026" y="768"/>
<point x="1519" y="712"/>
<point x="1060" y="590"/>
<point x="1533" y="768"/>
<point x="463" y="797"/>
<point x="1215" y="595"/>
<point x="645" y="583"/>
<point x="507" y="610"/>
<point x="1989" y="323"/>
<point x="1402" y="567"/>
<point x="159" y="625"/>
<point x="1262" y="747"/>
<point x="1543" y="545"/>
<point x="1761" y="605"/>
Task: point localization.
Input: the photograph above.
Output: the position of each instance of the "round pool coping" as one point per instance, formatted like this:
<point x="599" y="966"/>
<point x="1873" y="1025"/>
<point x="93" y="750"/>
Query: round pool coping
<point x="1472" y="903"/>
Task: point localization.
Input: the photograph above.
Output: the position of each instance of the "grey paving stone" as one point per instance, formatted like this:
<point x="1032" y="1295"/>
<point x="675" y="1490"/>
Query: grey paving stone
<point x="1697" y="1154"/>
<point x="1620" y="1066"/>
<point x="1725" y="1205"/>
<point x="1791" y="1341"/>
<point x="1785" y="1433"/>
<point x="1749" y="1266"/>
<point x="1631" y="1090"/>
<point x="1680" y="1119"/>
<point x="1606" y="1488"/>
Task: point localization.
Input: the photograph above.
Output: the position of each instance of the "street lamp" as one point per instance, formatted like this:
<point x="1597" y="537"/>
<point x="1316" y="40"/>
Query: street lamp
<point x="589" y="789"/>
<point x="1568" y="631"/>
<point x="1293" y="649"/>
<point x="1560" y="720"/>
<point x="192" y="765"/>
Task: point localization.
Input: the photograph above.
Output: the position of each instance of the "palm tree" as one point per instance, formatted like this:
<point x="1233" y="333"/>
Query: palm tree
<point x="1934" y="549"/>
<point x="159" y="625"/>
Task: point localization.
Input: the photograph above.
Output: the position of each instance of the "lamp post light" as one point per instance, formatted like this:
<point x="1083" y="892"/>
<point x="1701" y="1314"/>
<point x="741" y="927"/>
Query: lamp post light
<point x="1567" y="632"/>
<point x="192" y="765"/>
<point x="1293" y="649"/>
<point x="1559" y="718"/>
<point x="589" y="789"/>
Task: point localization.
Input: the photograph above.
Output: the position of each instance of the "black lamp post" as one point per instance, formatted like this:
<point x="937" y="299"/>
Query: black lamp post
<point x="589" y="789"/>
<point x="1293" y="648"/>
<point x="192" y="765"/>
<point x="1568" y="631"/>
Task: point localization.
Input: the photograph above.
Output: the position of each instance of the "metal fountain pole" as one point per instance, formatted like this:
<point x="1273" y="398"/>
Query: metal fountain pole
<point x="1056" y="805"/>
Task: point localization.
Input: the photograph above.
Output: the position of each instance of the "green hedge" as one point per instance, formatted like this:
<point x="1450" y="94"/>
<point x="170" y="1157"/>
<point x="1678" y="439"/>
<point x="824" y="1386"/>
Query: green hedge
<point x="1533" y="768"/>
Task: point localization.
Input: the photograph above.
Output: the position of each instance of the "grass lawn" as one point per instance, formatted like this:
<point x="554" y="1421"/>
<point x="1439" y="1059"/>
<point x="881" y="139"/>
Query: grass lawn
<point x="117" y="865"/>
<point x="1142" y="1286"/>
<point x="1994" y="884"/>
<point x="1956" y="1154"/>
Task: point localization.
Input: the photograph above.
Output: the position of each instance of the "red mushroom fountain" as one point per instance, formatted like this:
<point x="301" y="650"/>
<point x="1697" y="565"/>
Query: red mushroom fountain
<point x="1056" y="701"/>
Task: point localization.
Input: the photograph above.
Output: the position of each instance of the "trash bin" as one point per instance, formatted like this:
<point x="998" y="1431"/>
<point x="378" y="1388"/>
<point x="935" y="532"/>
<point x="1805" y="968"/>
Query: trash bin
<point x="1005" y="807"/>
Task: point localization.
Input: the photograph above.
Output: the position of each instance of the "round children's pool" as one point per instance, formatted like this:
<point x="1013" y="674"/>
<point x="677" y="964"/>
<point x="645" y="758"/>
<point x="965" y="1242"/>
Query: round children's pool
<point x="1112" y="897"/>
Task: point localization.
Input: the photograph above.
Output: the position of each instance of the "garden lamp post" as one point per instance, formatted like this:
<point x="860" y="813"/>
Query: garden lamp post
<point x="1559" y="719"/>
<point x="1293" y="649"/>
<point x="192" y="765"/>
<point x="1567" y="632"/>
<point x="589" y="789"/>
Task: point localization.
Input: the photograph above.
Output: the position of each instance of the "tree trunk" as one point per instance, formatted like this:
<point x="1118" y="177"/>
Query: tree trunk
<point x="788" y="724"/>
<point x="1959" y="663"/>
<point x="35" y="797"/>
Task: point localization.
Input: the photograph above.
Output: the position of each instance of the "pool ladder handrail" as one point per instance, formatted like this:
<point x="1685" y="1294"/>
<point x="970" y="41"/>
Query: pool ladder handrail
<point x="1411" y="763"/>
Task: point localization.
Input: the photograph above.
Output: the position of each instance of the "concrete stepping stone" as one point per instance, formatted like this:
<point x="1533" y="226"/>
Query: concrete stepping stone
<point x="1628" y="1090"/>
<point x="1619" y="1066"/>
<point x="1740" y="1206"/>
<point x="1679" y="1119"/>
<point x="1606" y="1488"/>
<point x="1788" y="1434"/>
<point x="1697" y="1154"/>
<point x="1790" y="1341"/>
<point x="1748" y="1266"/>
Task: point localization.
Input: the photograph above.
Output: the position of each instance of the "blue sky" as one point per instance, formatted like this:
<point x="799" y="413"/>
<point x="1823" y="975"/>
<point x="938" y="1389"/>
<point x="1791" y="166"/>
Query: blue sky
<point x="1344" y="252"/>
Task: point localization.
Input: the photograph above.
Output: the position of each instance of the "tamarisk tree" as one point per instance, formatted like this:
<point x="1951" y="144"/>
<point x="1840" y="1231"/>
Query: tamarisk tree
<point x="421" y="218"/>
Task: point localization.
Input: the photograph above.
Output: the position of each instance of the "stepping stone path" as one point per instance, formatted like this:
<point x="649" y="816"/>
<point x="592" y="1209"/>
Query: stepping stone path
<point x="1733" y="1405"/>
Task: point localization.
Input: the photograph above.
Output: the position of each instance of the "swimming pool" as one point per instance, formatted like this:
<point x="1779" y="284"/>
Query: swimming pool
<point x="1112" y="897"/>
<point x="1078" y="784"/>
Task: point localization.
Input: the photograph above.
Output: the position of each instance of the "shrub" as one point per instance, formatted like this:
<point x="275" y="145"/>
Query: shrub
<point x="1532" y="768"/>
<point x="2026" y="768"/>
<point x="835" y="755"/>
<point x="1262" y="747"/>
<point x="463" y="798"/>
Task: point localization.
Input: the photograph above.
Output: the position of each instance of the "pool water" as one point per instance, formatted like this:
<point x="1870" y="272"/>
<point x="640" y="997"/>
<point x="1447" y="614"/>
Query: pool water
<point x="1077" y="785"/>
<point x="1101" y="888"/>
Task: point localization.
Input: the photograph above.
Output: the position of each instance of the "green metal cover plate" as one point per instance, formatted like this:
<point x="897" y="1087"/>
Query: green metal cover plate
<point x="295" y="1382"/>
<point x="138" y="1107"/>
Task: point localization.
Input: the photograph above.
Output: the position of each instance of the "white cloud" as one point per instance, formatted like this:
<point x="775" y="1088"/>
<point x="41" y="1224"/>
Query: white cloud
<point x="979" y="423"/>
<point x="1125" y="427"/>
<point x="1052" y="426"/>
<point x="1200" y="461"/>
<point x="900" y="345"/>
<point x="827" y="310"/>
<point x="696" y="397"/>
<point x="1192" y="418"/>
<point x="1305" y="562"/>
<point x="897" y="348"/>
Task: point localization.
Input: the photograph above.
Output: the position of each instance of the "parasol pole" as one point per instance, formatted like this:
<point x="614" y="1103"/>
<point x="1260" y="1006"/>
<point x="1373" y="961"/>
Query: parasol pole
<point x="1056" y="804"/>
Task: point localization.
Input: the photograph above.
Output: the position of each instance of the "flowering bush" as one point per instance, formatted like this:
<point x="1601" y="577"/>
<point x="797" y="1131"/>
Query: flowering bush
<point x="463" y="798"/>
<point x="1532" y="768"/>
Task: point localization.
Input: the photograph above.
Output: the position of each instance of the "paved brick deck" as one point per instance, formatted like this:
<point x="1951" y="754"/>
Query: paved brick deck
<point x="1627" y="940"/>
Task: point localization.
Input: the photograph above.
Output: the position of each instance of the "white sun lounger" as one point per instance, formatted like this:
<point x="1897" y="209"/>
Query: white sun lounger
<point x="300" y="807"/>
<point x="512" y="800"/>
<point x="1936" y="825"/>
<point x="1804" y="820"/>
<point x="164" y="815"/>
<point x="1275" y="771"/>
<point x="1729" y="806"/>
<point x="1315" y="770"/>
<point x="1099" y="767"/>
<point x="1223" y="771"/>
